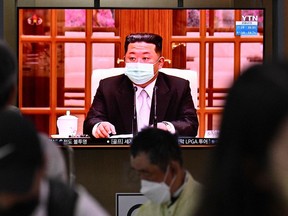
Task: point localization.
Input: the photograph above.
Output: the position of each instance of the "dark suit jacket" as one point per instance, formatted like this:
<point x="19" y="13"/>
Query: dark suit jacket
<point x="114" y="101"/>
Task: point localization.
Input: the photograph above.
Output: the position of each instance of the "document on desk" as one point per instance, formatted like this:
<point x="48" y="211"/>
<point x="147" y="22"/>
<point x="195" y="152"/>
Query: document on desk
<point x="121" y="136"/>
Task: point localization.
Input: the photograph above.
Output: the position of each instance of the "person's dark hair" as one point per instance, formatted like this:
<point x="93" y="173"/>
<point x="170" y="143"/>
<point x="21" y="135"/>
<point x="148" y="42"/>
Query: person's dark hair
<point x="21" y="152"/>
<point x="8" y="73"/>
<point x="144" y="37"/>
<point x="256" y="108"/>
<point x="161" y="147"/>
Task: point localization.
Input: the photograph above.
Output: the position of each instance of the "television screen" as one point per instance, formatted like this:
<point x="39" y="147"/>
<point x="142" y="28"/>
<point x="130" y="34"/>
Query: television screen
<point x="61" y="48"/>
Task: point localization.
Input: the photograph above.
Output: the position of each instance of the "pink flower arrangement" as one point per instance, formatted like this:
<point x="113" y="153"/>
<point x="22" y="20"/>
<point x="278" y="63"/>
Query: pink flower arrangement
<point x="77" y="17"/>
<point x="105" y="18"/>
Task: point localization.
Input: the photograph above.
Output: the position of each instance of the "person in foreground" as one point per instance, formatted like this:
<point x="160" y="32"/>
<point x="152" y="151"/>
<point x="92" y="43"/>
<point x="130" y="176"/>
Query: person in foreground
<point x="169" y="187"/>
<point x="113" y="107"/>
<point x="55" y="166"/>
<point x="24" y="188"/>
<point x="249" y="168"/>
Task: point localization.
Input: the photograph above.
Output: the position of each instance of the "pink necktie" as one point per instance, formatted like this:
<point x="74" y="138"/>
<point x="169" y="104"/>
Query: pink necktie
<point x="144" y="111"/>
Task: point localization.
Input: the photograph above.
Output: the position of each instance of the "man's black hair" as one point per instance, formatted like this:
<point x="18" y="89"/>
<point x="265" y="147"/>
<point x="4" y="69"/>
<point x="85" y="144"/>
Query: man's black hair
<point x="160" y="146"/>
<point x="145" y="37"/>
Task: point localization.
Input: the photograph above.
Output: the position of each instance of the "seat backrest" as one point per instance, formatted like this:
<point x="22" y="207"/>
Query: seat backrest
<point x="189" y="75"/>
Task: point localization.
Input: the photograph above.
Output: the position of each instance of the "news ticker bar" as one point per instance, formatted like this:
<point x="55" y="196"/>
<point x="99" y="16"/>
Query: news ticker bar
<point x="126" y="141"/>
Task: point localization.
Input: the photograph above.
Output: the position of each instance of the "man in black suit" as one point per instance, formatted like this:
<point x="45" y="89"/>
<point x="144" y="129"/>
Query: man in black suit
<point x="116" y="99"/>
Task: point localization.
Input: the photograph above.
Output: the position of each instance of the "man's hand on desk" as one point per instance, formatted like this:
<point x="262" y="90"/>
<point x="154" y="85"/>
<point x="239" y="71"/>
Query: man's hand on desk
<point x="166" y="126"/>
<point x="104" y="130"/>
<point x="162" y="126"/>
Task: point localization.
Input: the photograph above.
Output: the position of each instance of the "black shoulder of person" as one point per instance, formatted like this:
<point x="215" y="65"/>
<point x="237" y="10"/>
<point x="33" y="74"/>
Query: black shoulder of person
<point x="62" y="199"/>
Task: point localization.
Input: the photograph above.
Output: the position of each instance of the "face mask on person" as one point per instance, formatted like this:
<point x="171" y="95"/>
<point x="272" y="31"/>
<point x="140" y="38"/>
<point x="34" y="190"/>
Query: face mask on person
<point x="157" y="192"/>
<point x="140" y="73"/>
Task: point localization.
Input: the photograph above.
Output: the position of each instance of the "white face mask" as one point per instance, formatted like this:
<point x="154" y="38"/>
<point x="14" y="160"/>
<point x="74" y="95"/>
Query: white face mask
<point x="139" y="73"/>
<point x="157" y="192"/>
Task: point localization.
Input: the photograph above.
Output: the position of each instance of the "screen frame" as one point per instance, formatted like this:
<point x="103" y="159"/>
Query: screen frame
<point x="169" y="8"/>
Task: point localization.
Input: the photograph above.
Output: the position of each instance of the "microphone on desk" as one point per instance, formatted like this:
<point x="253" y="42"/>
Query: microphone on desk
<point x="155" y="106"/>
<point x="134" y="120"/>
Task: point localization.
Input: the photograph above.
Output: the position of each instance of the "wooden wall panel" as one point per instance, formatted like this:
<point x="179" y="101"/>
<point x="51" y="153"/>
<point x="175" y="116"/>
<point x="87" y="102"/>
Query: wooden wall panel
<point x="132" y="21"/>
